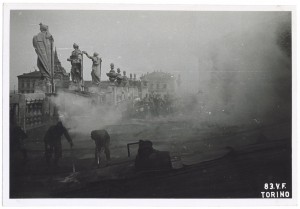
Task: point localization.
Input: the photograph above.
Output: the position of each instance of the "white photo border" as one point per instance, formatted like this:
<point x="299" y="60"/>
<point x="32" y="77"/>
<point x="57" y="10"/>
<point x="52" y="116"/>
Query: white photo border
<point x="140" y="202"/>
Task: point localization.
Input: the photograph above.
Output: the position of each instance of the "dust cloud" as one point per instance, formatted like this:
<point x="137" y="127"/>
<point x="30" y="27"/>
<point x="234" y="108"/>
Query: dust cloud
<point x="244" y="72"/>
<point x="242" y="78"/>
<point x="81" y="115"/>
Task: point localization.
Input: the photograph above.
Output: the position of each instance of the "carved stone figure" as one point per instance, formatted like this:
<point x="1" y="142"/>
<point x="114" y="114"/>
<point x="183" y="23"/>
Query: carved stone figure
<point x="112" y="73"/>
<point x="76" y="62"/>
<point x="130" y="79"/>
<point x="43" y="45"/>
<point x="95" y="67"/>
<point x="119" y="76"/>
<point x="124" y="79"/>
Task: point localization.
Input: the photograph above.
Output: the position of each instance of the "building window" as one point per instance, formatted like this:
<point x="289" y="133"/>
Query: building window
<point x="157" y="86"/>
<point x="165" y="86"/>
<point x="151" y="86"/>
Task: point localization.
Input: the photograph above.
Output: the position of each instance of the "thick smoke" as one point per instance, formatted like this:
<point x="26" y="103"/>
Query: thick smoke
<point x="243" y="78"/>
<point x="81" y="114"/>
<point x="245" y="74"/>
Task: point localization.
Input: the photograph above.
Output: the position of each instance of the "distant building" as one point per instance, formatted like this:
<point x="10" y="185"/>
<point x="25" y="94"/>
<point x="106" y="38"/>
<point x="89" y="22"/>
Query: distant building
<point x="112" y="94"/>
<point x="27" y="82"/>
<point x="160" y="83"/>
<point x="61" y="77"/>
<point x="31" y="110"/>
<point x="32" y="82"/>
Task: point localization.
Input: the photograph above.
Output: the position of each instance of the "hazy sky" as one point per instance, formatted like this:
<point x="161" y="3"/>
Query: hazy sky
<point x="141" y="41"/>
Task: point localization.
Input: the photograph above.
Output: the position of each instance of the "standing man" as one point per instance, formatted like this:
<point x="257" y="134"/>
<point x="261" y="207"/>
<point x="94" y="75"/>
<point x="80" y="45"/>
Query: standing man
<point x="17" y="136"/>
<point x="76" y="61"/>
<point x="102" y="140"/>
<point x="52" y="141"/>
<point x="96" y="67"/>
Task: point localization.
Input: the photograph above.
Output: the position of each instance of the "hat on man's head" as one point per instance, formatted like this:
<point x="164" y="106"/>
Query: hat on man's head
<point x="43" y="27"/>
<point x="75" y="45"/>
<point x="59" y="123"/>
<point x="95" y="54"/>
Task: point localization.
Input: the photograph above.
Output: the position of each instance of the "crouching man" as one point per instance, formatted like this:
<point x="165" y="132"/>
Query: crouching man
<point x="52" y="141"/>
<point x="102" y="141"/>
<point x="149" y="158"/>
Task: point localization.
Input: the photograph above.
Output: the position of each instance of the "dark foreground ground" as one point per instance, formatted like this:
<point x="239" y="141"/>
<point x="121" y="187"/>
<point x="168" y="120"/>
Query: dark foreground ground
<point x="212" y="162"/>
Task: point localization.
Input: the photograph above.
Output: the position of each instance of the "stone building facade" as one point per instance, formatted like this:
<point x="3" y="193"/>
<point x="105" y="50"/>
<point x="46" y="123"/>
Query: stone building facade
<point x="160" y="83"/>
<point x="32" y="82"/>
<point x="31" y="110"/>
<point x="28" y="81"/>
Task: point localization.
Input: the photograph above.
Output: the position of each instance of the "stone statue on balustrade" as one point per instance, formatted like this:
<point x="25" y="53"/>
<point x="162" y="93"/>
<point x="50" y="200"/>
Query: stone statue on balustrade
<point x="124" y="79"/>
<point x="130" y="79"/>
<point x="76" y="62"/>
<point x="43" y="45"/>
<point x="112" y="73"/>
<point x="119" y="77"/>
<point x="134" y="80"/>
<point x="96" y="67"/>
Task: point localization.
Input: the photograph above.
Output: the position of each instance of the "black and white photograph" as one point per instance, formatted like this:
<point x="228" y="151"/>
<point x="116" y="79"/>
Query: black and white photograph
<point x="149" y="103"/>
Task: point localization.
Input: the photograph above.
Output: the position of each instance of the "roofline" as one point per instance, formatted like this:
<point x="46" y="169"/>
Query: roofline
<point x="28" y="76"/>
<point x="36" y="74"/>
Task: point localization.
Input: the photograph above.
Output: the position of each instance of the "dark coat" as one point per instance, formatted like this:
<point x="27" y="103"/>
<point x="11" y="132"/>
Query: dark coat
<point x="17" y="135"/>
<point x="54" y="133"/>
<point x="101" y="137"/>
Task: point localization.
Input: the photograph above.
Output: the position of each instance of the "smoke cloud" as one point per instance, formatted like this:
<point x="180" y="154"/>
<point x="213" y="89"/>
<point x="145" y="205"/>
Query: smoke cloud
<point x="81" y="115"/>
<point x="244" y="71"/>
<point x="239" y="74"/>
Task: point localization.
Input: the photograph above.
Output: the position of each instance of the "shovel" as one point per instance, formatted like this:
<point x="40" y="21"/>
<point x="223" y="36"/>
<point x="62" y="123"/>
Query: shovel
<point x="73" y="162"/>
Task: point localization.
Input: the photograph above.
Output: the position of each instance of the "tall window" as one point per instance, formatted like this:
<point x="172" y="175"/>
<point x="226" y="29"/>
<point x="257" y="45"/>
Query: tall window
<point x="157" y="86"/>
<point x="165" y="86"/>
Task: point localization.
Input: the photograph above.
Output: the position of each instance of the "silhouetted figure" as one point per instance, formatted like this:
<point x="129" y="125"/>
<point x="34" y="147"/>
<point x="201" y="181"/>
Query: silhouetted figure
<point x="102" y="141"/>
<point x="17" y="136"/>
<point x="52" y="141"/>
<point x="151" y="159"/>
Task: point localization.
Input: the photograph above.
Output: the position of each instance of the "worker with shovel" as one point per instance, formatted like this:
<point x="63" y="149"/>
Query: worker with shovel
<point x="102" y="142"/>
<point x="52" y="141"/>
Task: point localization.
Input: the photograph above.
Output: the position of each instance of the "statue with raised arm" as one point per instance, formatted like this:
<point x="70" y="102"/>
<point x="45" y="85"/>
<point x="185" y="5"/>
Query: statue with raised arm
<point x="76" y="62"/>
<point x="43" y="45"/>
<point x="96" y="67"/>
